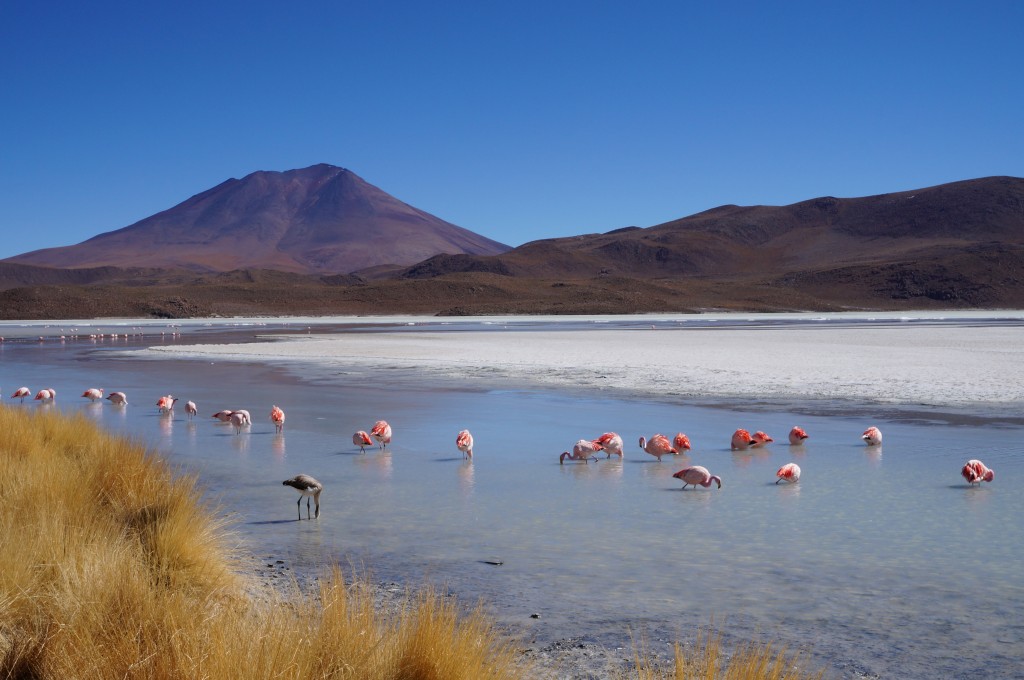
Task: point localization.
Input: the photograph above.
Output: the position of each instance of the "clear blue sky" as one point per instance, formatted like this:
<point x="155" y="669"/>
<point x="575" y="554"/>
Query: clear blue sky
<point x="518" y="120"/>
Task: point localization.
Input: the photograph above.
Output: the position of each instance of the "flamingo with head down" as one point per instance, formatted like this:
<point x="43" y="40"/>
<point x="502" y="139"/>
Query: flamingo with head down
<point x="658" y="446"/>
<point x="760" y="439"/>
<point x="277" y="416"/>
<point x="873" y="436"/>
<point x="681" y="442"/>
<point x="223" y="416"/>
<point x="610" y="443"/>
<point x="191" y="409"/>
<point x="166" y="404"/>
<point x="21" y="393"/>
<point x="117" y="398"/>
<point x="975" y="472"/>
<point x="697" y="474"/>
<point x="464" y="443"/>
<point x="381" y="431"/>
<point x="790" y="472"/>
<point x="583" y="450"/>
<point x="797" y="436"/>
<point x="93" y="394"/>
<point x="741" y="440"/>
<point x="362" y="440"/>
<point x="46" y="395"/>
<point x="308" y="487"/>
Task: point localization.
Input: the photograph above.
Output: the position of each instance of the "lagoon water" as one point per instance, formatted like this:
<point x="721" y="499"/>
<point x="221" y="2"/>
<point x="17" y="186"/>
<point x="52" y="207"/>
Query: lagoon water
<point x="880" y="562"/>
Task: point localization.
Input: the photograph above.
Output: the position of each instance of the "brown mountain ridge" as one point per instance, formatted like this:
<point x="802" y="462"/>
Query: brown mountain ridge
<point x="958" y="245"/>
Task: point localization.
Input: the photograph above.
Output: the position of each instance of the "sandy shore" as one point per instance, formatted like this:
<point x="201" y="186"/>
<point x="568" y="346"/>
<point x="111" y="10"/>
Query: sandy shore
<point x="946" y="365"/>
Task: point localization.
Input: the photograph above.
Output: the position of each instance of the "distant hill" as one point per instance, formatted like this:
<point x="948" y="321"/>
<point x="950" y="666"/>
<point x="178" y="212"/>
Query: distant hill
<point x="760" y="242"/>
<point x="321" y="219"/>
<point x="954" y="246"/>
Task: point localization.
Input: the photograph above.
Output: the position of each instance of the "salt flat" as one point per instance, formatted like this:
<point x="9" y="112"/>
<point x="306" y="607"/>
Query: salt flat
<point x="963" y="362"/>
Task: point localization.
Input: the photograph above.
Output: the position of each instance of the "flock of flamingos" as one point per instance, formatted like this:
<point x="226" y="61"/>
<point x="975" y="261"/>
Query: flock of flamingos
<point x="974" y="471"/>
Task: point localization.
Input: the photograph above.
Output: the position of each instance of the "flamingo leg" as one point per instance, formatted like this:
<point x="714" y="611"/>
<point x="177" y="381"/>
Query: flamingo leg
<point x="298" y="505"/>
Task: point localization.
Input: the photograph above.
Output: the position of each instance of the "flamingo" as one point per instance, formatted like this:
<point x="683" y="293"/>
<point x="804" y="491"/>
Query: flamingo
<point x="306" y="486"/>
<point x="741" y="440"/>
<point x="46" y="395"/>
<point x="382" y="433"/>
<point x="223" y="416"/>
<point x="277" y="415"/>
<point x="362" y="440"/>
<point x="93" y="394"/>
<point x="166" y="404"/>
<point x="760" y="439"/>
<point x="610" y="443"/>
<point x="190" y="409"/>
<point x="238" y="419"/>
<point x="464" y="442"/>
<point x="583" y="450"/>
<point x="117" y="398"/>
<point x="697" y="474"/>
<point x="975" y="472"/>
<point x="658" y="446"/>
<point x="21" y="393"/>
<point x="681" y="442"/>
<point x="873" y="436"/>
<point x="797" y="436"/>
<point x="790" y="472"/>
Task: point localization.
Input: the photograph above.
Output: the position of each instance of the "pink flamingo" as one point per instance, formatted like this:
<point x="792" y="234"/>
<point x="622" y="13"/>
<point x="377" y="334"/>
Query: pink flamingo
<point x="93" y="394"/>
<point x="21" y="393"/>
<point x="975" y="472"/>
<point x="797" y="436"/>
<point x="223" y="416"/>
<point x="658" y="446"/>
<point x="583" y="450"/>
<point x="190" y="409"/>
<point x="239" y="420"/>
<point x="760" y="439"/>
<point x="46" y="395"/>
<point x="166" y="404"/>
<point x="681" y="442"/>
<point x="790" y="472"/>
<point x="873" y="436"/>
<point x="464" y="442"/>
<point x="362" y="440"/>
<point x="117" y="398"/>
<point x="697" y="475"/>
<point x="382" y="433"/>
<point x="308" y="487"/>
<point x="610" y="443"/>
<point x="741" y="440"/>
<point x="277" y="416"/>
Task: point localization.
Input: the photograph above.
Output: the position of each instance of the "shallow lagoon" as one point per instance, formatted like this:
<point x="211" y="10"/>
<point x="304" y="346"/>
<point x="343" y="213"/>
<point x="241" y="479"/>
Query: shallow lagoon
<point x="880" y="561"/>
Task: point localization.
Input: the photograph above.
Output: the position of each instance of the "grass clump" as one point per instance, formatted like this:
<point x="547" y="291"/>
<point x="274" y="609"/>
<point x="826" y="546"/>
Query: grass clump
<point x="706" y="659"/>
<point x="111" y="566"/>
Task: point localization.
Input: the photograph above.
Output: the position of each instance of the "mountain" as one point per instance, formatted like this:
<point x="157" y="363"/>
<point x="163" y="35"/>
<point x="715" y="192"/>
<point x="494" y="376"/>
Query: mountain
<point x="760" y="242"/>
<point x="953" y="246"/>
<point x="321" y="219"/>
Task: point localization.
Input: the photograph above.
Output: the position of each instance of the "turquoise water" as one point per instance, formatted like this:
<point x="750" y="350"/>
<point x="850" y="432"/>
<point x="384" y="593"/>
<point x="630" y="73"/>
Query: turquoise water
<point x="880" y="561"/>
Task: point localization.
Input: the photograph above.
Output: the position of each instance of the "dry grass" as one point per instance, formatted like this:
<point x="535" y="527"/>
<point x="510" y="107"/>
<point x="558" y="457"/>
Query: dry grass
<point x="705" y="659"/>
<point x="111" y="566"/>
